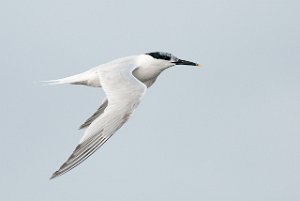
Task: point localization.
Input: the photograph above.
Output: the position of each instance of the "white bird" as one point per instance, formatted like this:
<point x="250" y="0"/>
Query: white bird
<point x="124" y="82"/>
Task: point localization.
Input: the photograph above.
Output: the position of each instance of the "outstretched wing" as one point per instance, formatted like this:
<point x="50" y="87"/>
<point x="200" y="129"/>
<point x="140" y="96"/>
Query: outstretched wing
<point x="102" y="107"/>
<point x="123" y="92"/>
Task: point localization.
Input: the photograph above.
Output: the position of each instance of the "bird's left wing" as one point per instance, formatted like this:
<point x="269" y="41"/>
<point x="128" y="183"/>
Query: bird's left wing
<point x="99" y="111"/>
<point x="123" y="92"/>
<point x="104" y="103"/>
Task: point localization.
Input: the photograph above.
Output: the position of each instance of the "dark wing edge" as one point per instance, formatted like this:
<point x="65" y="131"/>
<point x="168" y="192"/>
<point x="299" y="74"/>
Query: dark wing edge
<point x="99" y="111"/>
<point x="81" y="153"/>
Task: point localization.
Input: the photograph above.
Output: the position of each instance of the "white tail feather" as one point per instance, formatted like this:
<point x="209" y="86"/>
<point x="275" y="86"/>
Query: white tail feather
<point x="53" y="82"/>
<point x="68" y="80"/>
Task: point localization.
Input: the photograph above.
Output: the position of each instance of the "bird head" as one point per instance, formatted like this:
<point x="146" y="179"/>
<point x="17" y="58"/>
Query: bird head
<point x="166" y="60"/>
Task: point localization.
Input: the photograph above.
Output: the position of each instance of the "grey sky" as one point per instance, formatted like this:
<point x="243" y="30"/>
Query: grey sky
<point x="228" y="131"/>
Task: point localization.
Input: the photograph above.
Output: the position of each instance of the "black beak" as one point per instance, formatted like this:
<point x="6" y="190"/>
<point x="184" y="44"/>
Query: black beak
<point x="184" y="62"/>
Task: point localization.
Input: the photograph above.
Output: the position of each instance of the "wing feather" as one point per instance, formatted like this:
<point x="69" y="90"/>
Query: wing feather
<point x="102" y="107"/>
<point x="123" y="92"/>
<point x="99" y="111"/>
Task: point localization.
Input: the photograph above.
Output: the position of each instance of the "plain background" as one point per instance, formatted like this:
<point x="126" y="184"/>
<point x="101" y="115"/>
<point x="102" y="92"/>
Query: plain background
<point x="229" y="131"/>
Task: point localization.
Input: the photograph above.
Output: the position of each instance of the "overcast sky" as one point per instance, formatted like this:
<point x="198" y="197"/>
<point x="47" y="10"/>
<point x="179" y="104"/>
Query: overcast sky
<point x="229" y="131"/>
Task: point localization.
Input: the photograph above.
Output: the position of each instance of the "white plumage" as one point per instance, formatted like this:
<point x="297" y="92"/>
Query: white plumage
<point x="124" y="82"/>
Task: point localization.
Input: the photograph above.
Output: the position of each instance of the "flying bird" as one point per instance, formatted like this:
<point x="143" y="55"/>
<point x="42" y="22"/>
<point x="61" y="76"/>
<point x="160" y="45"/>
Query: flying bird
<point x="124" y="82"/>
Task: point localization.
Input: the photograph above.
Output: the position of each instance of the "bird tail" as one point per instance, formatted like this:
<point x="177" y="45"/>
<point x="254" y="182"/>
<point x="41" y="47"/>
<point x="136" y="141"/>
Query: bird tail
<point x="75" y="79"/>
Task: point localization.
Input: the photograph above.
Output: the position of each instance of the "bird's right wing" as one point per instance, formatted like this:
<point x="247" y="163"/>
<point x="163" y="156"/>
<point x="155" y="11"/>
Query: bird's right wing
<point x="123" y="92"/>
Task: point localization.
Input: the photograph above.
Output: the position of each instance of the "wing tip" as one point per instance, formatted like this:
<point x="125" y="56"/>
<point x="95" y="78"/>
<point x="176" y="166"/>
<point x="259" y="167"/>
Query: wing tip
<point x="58" y="173"/>
<point x="54" y="175"/>
<point x="84" y="125"/>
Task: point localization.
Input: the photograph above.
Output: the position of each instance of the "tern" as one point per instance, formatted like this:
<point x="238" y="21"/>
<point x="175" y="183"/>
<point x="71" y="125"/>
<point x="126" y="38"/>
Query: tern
<point x="124" y="82"/>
